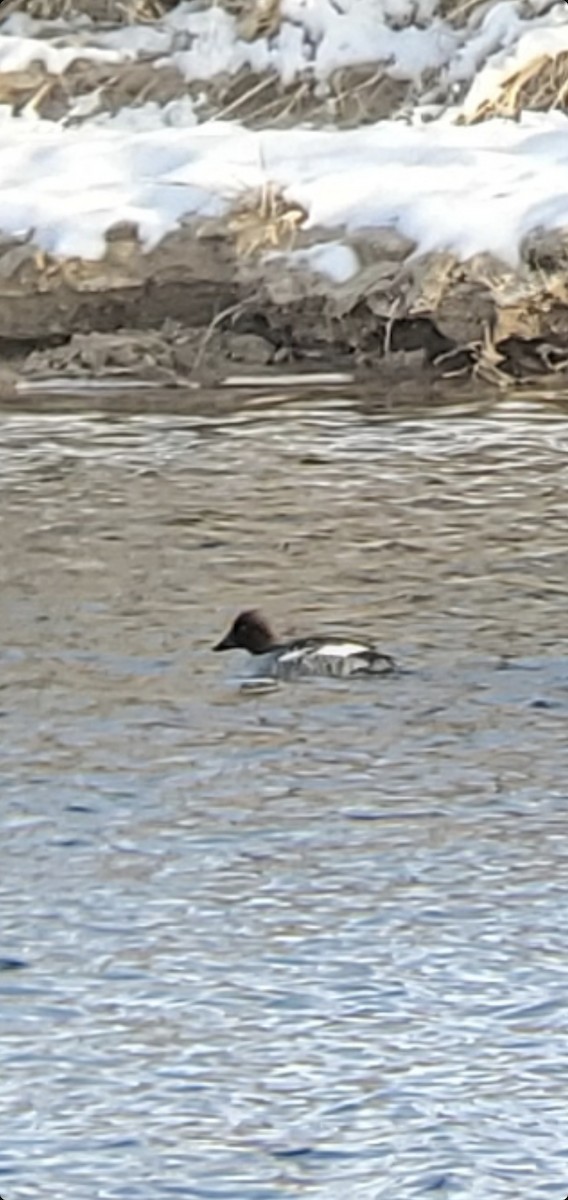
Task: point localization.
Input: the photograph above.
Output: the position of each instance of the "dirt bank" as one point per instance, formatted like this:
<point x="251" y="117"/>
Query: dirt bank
<point x="210" y="296"/>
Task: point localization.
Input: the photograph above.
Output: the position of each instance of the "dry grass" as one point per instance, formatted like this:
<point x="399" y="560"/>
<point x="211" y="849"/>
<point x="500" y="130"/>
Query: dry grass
<point x="541" y="85"/>
<point x="461" y="12"/>
<point x="40" y="10"/>
<point x="261" y="18"/>
<point x="18" y="87"/>
<point x="254" y="19"/>
<point x="362" y="94"/>
<point x="51" y="96"/>
<point x="112" y="12"/>
<point x="354" y="96"/>
<point x="262" y="219"/>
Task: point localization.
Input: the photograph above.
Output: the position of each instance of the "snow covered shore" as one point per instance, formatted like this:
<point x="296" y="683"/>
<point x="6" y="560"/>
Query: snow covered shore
<point x="300" y="228"/>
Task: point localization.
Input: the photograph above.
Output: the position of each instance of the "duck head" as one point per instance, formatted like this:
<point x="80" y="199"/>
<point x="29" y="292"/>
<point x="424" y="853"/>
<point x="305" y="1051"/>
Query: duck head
<point x="249" y="631"/>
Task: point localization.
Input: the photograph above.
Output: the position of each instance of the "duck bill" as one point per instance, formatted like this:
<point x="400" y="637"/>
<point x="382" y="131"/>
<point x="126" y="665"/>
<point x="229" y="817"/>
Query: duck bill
<point x="226" y="643"/>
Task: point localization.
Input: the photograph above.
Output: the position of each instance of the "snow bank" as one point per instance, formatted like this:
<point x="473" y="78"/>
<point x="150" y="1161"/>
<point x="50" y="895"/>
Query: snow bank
<point x="463" y="189"/>
<point x="410" y="38"/>
<point x="313" y="35"/>
<point x="521" y="43"/>
<point x="18" y="53"/>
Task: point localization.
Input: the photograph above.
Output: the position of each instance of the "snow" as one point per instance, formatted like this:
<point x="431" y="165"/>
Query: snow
<point x="409" y="52"/>
<point x="215" y="49"/>
<point x="408" y="37"/>
<point x="461" y="188"/>
<point x="16" y="54"/>
<point x="334" y="260"/>
<point x="464" y="189"/>
<point x="532" y="44"/>
<point x="145" y="117"/>
<point x="318" y="36"/>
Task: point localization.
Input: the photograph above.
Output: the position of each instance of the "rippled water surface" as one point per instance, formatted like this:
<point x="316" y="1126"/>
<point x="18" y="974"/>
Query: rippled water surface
<point x="311" y="941"/>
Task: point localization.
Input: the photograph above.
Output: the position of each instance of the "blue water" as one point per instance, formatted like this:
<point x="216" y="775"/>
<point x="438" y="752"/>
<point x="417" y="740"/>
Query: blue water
<point x="304" y="942"/>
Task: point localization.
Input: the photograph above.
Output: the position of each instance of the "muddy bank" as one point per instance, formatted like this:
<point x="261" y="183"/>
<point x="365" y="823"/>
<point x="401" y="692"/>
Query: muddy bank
<point x="219" y="293"/>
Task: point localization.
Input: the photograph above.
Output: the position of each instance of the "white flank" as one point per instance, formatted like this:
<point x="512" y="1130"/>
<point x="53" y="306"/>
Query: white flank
<point x="293" y="655"/>
<point x="340" y="649"/>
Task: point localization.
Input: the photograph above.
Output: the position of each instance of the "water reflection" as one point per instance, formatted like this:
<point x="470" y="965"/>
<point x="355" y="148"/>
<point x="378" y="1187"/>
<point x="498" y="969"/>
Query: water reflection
<point x="292" y="943"/>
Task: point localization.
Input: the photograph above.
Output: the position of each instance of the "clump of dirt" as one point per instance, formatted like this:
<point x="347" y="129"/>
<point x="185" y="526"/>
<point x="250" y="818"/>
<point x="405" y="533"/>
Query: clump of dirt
<point x="127" y="352"/>
<point x="171" y="355"/>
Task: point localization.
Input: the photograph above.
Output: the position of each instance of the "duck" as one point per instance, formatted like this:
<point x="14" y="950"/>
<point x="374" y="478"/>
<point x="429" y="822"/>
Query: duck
<point x="277" y="659"/>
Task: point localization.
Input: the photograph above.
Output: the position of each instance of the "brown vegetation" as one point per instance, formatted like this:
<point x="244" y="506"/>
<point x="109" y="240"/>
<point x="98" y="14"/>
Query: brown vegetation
<point x="541" y="85"/>
<point x="263" y="219"/>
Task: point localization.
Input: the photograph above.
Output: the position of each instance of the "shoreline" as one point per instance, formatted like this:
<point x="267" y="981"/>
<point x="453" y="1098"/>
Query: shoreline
<point x="197" y="308"/>
<point x="404" y="214"/>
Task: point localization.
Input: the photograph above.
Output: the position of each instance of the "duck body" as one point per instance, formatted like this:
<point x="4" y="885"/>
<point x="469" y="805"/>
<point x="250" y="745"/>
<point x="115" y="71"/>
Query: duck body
<point x="302" y="657"/>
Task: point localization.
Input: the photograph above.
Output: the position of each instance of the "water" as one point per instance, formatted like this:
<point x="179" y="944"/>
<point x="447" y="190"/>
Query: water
<point x="312" y="941"/>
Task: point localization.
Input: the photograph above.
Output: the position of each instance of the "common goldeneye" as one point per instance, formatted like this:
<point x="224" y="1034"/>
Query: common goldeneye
<point x="302" y="656"/>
